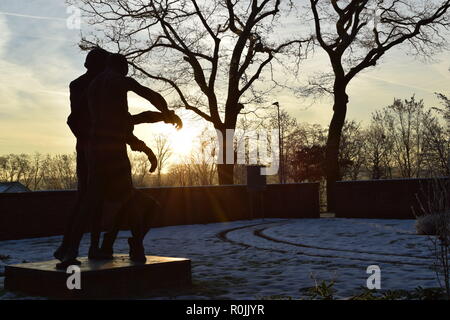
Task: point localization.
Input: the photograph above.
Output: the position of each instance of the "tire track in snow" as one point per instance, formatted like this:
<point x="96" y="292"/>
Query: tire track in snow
<point x="223" y="235"/>
<point x="260" y="233"/>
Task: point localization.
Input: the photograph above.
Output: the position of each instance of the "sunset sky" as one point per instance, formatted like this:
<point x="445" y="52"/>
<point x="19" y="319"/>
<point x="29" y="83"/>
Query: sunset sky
<point x="39" y="57"/>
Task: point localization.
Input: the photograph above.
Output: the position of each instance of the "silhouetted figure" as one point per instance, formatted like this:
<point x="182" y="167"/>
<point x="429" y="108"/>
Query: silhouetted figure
<point x="108" y="165"/>
<point x="79" y="123"/>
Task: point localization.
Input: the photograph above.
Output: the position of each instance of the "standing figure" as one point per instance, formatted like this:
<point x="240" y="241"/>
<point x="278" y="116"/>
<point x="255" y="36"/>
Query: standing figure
<point x="109" y="170"/>
<point x="79" y="124"/>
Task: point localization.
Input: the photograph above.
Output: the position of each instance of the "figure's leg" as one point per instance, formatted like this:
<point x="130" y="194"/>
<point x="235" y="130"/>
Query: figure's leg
<point x="81" y="190"/>
<point x="150" y="208"/>
<point x="61" y="251"/>
<point x="119" y="219"/>
<point x="78" y="228"/>
<point x="110" y="236"/>
<point x="122" y="190"/>
<point x="94" y="250"/>
<point x="136" y="242"/>
<point x="91" y="201"/>
<point x="131" y="214"/>
<point x="143" y="211"/>
<point x="108" y="242"/>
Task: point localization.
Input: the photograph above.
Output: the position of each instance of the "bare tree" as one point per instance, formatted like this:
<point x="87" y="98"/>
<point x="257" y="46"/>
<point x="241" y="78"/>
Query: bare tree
<point x="445" y="110"/>
<point x="140" y="166"/>
<point x="355" y="34"/>
<point x="202" y="159"/>
<point x="210" y="54"/>
<point x="32" y="178"/>
<point x="59" y="172"/>
<point x="351" y="151"/>
<point x="436" y="147"/>
<point x="406" y="124"/>
<point x="37" y="172"/>
<point x="180" y="174"/>
<point x="163" y="152"/>
<point x="14" y="167"/>
<point x="378" y="148"/>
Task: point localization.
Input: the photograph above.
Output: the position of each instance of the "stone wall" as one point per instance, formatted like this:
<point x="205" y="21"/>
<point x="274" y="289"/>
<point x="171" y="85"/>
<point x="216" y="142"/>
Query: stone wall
<point x="384" y="199"/>
<point x="36" y="214"/>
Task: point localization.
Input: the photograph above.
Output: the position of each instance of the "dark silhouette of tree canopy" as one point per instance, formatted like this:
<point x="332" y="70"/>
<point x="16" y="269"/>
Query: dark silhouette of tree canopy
<point x="209" y="53"/>
<point x="308" y="163"/>
<point x="355" y="34"/>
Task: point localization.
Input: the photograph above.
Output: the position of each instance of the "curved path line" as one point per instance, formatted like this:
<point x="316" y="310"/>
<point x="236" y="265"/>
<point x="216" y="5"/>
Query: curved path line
<point x="223" y="236"/>
<point x="260" y="233"/>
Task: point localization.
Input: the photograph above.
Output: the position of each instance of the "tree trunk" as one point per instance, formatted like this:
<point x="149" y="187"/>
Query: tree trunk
<point x="333" y="142"/>
<point x="159" y="177"/>
<point x="225" y="171"/>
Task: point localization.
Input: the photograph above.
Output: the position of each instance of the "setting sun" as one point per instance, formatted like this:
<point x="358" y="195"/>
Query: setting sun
<point x="182" y="141"/>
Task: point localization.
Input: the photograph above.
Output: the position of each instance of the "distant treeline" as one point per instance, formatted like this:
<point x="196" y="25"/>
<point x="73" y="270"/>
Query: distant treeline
<point x="403" y="140"/>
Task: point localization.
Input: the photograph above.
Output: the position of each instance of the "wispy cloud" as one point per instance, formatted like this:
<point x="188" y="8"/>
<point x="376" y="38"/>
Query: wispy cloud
<point x="31" y="16"/>
<point x="397" y="83"/>
<point x="39" y="57"/>
<point x="33" y="102"/>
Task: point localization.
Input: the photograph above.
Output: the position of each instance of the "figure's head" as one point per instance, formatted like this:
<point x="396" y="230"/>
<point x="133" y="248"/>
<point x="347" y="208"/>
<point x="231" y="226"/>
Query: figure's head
<point x="96" y="59"/>
<point x="118" y="62"/>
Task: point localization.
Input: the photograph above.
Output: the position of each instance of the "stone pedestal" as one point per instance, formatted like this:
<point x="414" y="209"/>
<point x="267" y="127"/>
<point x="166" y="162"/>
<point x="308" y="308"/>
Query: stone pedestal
<point x="117" y="278"/>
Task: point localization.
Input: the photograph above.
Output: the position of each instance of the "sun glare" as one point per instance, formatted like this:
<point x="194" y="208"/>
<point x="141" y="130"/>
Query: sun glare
<point x="183" y="141"/>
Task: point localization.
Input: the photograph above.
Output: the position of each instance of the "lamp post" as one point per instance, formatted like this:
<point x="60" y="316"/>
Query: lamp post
<point x="280" y="141"/>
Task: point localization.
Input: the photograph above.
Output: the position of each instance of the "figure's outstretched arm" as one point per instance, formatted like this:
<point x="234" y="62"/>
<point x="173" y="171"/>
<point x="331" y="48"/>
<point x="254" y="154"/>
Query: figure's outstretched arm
<point x="152" y="96"/>
<point x="152" y="117"/>
<point x="147" y="117"/>
<point x="157" y="100"/>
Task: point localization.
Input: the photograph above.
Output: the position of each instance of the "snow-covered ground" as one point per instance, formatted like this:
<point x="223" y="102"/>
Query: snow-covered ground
<point x="271" y="258"/>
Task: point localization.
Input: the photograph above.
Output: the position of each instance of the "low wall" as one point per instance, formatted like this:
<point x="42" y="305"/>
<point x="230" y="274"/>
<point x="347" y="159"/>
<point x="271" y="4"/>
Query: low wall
<point x="383" y="199"/>
<point x="44" y="213"/>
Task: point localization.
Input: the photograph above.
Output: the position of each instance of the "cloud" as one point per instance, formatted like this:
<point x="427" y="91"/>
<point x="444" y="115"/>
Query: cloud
<point x="33" y="112"/>
<point x="39" y="57"/>
<point x="31" y="16"/>
<point x="6" y="34"/>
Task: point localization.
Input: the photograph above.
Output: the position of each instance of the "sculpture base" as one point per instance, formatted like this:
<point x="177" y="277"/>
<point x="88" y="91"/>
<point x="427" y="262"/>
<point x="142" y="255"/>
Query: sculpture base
<point x="119" y="277"/>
